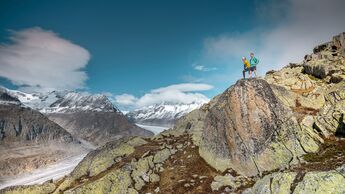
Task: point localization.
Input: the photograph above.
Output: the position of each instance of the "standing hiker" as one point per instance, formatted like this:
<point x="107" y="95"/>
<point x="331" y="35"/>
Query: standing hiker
<point x="253" y="62"/>
<point x="246" y="66"/>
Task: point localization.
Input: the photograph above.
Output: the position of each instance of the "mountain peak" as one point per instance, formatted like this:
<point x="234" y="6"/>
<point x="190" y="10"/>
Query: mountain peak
<point x="6" y="98"/>
<point x="75" y="101"/>
<point x="162" y="114"/>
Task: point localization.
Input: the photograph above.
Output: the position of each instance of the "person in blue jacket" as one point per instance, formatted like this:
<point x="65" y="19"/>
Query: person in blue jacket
<point x="253" y="62"/>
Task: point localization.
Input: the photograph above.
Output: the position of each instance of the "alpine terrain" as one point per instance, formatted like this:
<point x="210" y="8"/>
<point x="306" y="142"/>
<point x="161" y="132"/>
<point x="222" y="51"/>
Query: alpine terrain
<point x="164" y="114"/>
<point x="29" y="140"/>
<point x="89" y="117"/>
<point x="283" y="133"/>
<point x="92" y="118"/>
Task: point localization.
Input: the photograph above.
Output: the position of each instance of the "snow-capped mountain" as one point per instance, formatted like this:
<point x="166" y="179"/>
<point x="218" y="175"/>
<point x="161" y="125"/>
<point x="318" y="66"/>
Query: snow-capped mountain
<point x="6" y="98"/>
<point x="90" y="117"/>
<point x="37" y="101"/>
<point x="164" y="114"/>
<point x="74" y="102"/>
<point x="63" y="101"/>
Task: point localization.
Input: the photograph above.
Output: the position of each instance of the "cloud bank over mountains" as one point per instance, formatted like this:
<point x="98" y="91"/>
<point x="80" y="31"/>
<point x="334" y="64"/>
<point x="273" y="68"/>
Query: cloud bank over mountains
<point x="178" y="93"/>
<point x="40" y="60"/>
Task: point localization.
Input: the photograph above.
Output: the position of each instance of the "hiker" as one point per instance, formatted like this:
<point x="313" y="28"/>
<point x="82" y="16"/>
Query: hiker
<point x="246" y="66"/>
<point x="253" y="62"/>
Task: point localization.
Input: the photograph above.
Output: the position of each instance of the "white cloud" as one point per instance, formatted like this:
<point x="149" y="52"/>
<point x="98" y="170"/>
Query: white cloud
<point x="306" y="24"/>
<point x="38" y="59"/>
<point x="125" y="99"/>
<point x="203" y="68"/>
<point x="177" y="93"/>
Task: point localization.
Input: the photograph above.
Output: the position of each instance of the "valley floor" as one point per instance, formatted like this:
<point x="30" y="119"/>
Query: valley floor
<point x="39" y="176"/>
<point x="155" y="129"/>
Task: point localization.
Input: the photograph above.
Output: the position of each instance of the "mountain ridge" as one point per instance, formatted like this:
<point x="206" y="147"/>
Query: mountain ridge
<point x="162" y="114"/>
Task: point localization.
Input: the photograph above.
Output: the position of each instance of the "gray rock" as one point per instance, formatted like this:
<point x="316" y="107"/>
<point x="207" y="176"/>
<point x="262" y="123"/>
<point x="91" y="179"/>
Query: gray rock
<point x="154" y="178"/>
<point x="249" y="129"/>
<point x="220" y="181"/>
<point x="161" y="156"/>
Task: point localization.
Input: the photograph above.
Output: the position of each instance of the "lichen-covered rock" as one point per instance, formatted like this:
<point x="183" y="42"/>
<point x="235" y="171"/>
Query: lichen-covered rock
<point x="132" y="191"/>
<point x="100" y="159"/>
<point x="277" y="183"/>
<point x="140" y="170"/>
<point x="321" y="182"/>
<point x="162" y="155"/>
<point x="30" y="189"/>
<point x="331" y="115"/>
<point x="311" y="137"/>
<point x="154" y="177"/>
<point x="249" y="129"/>
<point x="193" y="124"/>
<point x="301" y="90"/>
<point x="221" y="181"/>
<point x="115" y="182"/>
<point x="327" y="61"/>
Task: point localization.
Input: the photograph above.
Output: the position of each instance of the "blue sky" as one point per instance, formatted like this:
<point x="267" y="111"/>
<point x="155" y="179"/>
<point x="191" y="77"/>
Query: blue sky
<point x="128" y="49"/>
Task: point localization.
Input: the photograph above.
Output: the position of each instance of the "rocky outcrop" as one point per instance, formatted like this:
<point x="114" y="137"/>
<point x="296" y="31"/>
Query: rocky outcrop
<point x="256" y="126"/>
<point x="250" y="130"/>
<point x="330" y="120"/>
<point x="311" y="182"/>
<point x="327" y="61"/>
<point x="274" y="183"/>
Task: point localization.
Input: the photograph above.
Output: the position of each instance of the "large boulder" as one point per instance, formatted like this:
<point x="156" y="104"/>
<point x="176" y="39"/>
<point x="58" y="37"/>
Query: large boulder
<point x="328" y="60"/>
<point x="279" y="182"/>
<point x="331" y="181"/>
<point x="330" y="119"/>
<point x="249" y="129"/>
<point x="300" y="89"/>
<point x="339" y="42"/>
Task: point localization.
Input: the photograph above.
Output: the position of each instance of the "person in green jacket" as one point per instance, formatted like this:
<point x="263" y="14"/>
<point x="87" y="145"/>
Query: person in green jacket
<point x="253" y="62"/>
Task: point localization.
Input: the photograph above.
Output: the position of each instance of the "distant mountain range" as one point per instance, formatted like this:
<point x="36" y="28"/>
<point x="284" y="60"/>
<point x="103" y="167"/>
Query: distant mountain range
<point x="91" y="117"/>
<point x="64" y="101"/>
<point x="56" y="103"/>
<point x="164" y="114"/>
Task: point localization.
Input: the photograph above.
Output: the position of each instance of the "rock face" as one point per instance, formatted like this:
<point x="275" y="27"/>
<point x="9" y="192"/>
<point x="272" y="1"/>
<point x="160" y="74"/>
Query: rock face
<point x="312" y="182"/>
<point x="327" y="61"/>
<point x="92" y="118"/>
<point x="19" y="123"/>
<point x="29" y="140"/>
<point x="98" y="127"/>
<point x="250" y="130"/>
